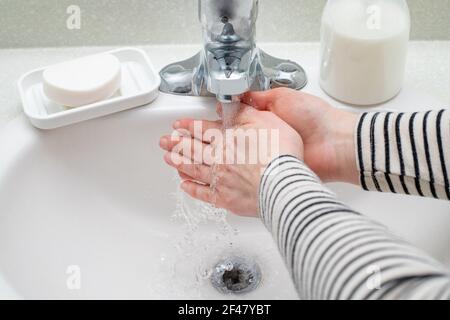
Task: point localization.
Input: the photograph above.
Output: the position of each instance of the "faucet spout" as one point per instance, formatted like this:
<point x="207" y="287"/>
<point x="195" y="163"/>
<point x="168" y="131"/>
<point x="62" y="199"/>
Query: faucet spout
<point x="226" y="99"/>
<point x="230" y="63"/>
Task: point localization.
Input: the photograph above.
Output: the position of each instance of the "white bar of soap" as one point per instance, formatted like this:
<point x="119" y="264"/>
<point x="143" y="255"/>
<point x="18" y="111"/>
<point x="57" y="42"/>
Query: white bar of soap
<point x="83" y="81"/>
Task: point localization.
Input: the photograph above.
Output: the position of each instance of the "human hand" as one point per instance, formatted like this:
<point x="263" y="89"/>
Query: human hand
<point x="327" y="133"/>
<point x="226" y="170"/>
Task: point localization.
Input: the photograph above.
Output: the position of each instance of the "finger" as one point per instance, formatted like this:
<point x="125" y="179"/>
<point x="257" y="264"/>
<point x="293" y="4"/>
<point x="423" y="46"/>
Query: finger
<point x="198" y="172"/>
<point x="198" y="191"/>
<point x="169" y="142"/>
<point x="203" y="193"/>
<point x="184" y="176"/>
<point x="197" y="129"/>
<point x="260" y="100"/>
<point x="192" y="149"/>
<point x="195" y="150"/>
<point x="246" y="115"/>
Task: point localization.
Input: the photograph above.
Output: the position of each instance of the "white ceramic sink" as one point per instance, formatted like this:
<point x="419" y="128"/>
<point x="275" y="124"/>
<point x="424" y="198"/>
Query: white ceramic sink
<point x="98" y="196"/>
<point x="95" y="199"/>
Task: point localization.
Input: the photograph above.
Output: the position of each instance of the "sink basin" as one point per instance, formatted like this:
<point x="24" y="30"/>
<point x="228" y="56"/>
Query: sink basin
<point x="91" y="211"/>
<point x="97" y="199"/>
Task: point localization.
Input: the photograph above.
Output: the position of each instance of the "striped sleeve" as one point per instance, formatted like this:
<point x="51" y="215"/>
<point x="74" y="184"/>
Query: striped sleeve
<point x="331" y="251"/>
<point x="405" y="153"/>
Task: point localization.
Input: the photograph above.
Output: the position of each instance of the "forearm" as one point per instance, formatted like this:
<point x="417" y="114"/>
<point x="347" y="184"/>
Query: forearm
<point x="404" y="153"/>
<point x="328" y="247"/>
<point x="342" y="138"/>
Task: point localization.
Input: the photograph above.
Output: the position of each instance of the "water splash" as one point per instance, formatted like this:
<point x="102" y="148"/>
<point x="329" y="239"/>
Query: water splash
<point x="206" y="233"/>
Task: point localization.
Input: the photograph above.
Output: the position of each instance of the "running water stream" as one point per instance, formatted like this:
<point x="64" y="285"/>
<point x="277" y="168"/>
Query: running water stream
<point x="229" y="113"/>
<point x="206" y="232"/>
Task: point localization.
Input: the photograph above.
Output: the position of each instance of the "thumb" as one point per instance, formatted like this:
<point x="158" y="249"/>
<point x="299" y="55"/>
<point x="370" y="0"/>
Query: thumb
<point x="262" y="100"/>
<point x="246" y="115"/>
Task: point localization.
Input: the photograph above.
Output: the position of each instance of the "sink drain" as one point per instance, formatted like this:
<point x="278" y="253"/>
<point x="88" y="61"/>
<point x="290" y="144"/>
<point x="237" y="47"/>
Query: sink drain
<point x="236" y="275"/>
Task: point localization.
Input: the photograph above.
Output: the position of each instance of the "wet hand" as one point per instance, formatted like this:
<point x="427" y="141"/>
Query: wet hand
<point x="225" y="169"/>
<point x="327" y="133"/>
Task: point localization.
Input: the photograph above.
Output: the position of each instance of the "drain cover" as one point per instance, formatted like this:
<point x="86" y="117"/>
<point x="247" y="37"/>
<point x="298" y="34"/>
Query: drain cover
<point x="236" y="275"/>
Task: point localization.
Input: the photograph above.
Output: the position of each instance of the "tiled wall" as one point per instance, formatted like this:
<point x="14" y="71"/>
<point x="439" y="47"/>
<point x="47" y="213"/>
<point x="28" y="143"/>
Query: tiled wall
<point x="43" y="23"/>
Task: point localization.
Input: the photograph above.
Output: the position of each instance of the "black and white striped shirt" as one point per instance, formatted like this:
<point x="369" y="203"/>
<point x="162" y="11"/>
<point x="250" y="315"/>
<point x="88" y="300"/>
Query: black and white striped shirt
<point x="334" y="252"/>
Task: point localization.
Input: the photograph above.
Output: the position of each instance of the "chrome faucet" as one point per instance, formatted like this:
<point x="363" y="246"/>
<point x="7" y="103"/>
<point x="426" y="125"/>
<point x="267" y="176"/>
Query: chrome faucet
<point x="230" y="63"/>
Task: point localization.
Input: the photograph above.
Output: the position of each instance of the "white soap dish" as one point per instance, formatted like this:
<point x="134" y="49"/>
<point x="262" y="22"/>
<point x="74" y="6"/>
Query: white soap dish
<point x="139" y="86"/>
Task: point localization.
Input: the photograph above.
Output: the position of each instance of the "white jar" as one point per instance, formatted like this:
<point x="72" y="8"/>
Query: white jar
<point x="363" y="49"/>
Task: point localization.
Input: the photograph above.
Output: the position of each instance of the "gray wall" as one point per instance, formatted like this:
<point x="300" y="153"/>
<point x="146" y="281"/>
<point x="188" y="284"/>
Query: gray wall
<point x="42" y="23"/>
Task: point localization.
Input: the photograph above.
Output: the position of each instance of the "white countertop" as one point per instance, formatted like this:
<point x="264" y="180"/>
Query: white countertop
<point x="428" y="67"/>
